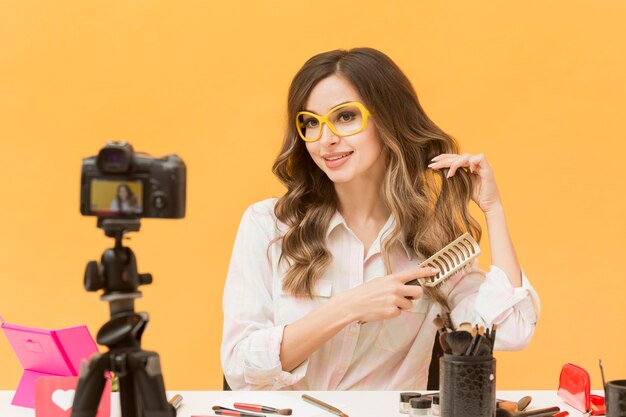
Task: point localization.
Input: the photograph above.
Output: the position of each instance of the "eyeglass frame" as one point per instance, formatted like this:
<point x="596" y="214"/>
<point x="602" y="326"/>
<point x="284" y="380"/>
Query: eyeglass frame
<point x="324" y="120"/>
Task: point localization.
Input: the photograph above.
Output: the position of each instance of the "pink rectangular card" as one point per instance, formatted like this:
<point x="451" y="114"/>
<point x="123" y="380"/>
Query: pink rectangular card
<point x="54" y="397"/>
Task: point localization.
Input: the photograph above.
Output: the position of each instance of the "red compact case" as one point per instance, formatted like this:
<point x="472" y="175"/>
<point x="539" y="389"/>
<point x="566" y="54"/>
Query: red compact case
<point x="575" y="389"/>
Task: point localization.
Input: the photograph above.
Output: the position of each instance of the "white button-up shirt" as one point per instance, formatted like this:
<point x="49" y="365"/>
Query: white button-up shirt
<point x="392" y="354"/>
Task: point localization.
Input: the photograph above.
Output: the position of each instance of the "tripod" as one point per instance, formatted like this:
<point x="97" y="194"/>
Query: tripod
<point x="142" y="392"/>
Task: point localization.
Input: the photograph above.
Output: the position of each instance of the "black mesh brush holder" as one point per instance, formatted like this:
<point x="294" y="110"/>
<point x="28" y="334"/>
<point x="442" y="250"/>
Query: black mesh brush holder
<point x="615" y="392"/>
<point x="467" y="386"/>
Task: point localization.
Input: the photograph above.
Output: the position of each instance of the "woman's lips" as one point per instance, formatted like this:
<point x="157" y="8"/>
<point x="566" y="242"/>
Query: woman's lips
<point x="337" y="159"/>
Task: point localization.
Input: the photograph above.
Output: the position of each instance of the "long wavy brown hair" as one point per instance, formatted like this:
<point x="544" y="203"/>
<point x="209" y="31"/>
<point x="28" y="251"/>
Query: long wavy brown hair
<point x="429" y="210"/>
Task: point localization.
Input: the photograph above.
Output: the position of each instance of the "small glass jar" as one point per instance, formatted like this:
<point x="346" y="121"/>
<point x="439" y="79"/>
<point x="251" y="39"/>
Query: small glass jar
<point x="435" y="410"/>
<point x="420" y="406"/>
<point x="405" y="397"/>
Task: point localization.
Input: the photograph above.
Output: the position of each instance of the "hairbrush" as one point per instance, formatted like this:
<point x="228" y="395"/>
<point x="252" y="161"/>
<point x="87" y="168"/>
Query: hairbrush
<point x="449" y="260"/>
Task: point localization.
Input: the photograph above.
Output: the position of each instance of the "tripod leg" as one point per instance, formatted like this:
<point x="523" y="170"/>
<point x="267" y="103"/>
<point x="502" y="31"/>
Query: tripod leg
<point x="146" y="368"/>
<point x="90" y="386"/>
<point x="130" y="403"/>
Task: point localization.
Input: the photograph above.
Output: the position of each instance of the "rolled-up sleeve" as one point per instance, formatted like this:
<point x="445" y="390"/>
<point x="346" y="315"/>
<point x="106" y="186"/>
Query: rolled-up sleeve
<point x="489" y="298"/>
<point x="251" y="340"/>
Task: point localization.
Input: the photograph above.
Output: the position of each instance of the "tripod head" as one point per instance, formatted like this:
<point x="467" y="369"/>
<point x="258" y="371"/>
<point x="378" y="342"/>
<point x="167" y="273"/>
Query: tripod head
<point x="117" y="275"/>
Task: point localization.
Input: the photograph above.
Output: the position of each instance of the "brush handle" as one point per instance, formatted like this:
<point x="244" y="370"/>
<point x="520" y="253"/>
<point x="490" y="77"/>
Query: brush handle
<point x="228" y="412"/>
<point x="469" y="349"/>
<point x="540" y="412"/>
<point x="507" y="405"/>
<point x="474" y="351"/>
<point x="256" y="408"/>
<point x="322" y="405"/>
<point x="176" y="401"/>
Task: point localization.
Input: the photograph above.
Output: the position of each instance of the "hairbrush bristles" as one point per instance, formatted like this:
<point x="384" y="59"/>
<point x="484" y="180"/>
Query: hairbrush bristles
<point x="449" y="260"/>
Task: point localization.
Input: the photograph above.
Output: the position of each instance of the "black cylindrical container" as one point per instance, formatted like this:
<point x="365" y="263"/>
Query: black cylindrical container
<point x="615" y="392"/>
<point x="467" y="386"/>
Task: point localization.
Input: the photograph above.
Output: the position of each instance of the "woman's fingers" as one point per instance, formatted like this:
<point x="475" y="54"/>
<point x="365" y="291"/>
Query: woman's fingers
<point x="461" y="161"/>
<point x="412" y="292"/>
<point x="404" y="303"/>
<point x="438" y="157"/>
<point x="416" y="272"/>
<point x="454" y="162"/>
<point x="443" y="161"/>
<point x="385" y="297"/>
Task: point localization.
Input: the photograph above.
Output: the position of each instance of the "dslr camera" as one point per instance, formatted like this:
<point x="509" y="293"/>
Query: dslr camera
<point x="119" y="183"/>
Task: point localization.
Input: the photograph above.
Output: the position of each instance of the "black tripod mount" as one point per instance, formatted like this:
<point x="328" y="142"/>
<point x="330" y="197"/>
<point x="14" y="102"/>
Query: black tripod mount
<point x="142" y="391"/>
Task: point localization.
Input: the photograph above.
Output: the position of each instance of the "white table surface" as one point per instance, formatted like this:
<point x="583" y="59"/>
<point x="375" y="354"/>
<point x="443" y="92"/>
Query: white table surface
<point x="353" y="403"/>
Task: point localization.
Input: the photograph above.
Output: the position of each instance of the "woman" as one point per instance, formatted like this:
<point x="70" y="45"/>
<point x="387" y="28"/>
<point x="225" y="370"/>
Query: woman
<point x="125" y="201"/>
<point x="315" y="296"/>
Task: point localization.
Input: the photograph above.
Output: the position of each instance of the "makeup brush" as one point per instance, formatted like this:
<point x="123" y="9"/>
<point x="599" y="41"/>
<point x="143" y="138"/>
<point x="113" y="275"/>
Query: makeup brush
<point x="440" y="324"/>
<point x="176" y="401"/>
<point x="494" y="327"/>
<point x="483" y="345"/>
<point x="443" y="341"/>
<point x="540" y="412"/>
<point x="263" y="409"/>
<point x="467" y="326"/>
<point x="483" y="349"/>
<point x="224" y="411"/>
<point x="470" y="348"/>
<point x="459" y="341"/>
<point x="602" y="373"/>
<point x="507" y="405"/>
<point x="323" y="405"/>
<point x="512" y="406"/>
<point x="523" y="403"/>
<point x="441" y="331"/>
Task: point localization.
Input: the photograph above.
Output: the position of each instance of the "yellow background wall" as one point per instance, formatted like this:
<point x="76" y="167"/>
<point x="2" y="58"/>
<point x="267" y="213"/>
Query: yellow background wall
<point x="538" y="86"/>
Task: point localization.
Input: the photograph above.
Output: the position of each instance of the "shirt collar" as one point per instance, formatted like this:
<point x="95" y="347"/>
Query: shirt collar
<point x="338" y="219"/>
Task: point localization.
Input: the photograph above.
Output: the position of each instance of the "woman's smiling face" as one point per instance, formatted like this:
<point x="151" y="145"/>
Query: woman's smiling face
<point x="346" y="158"/>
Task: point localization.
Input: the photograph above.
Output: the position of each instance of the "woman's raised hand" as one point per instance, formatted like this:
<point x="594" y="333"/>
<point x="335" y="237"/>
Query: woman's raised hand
<point x="485" y="191"/>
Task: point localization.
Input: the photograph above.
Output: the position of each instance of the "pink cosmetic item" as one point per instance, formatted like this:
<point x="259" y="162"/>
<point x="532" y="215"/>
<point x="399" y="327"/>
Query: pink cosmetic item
<point x="46" y="353"/>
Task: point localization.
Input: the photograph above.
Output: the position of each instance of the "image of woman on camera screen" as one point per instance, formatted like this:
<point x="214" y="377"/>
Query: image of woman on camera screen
<point x="125" y="202"/>
<point x="315" y="296"/>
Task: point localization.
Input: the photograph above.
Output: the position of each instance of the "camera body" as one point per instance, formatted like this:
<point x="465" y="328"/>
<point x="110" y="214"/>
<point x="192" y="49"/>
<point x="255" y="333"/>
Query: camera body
<point x="119" y="183"/>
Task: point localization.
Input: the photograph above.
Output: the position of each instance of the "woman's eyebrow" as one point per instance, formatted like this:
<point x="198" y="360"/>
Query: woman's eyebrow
<point x="345" y="102"/>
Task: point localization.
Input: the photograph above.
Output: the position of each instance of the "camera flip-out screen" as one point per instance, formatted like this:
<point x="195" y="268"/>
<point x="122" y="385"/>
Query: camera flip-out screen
<point x="111" y="198"/>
